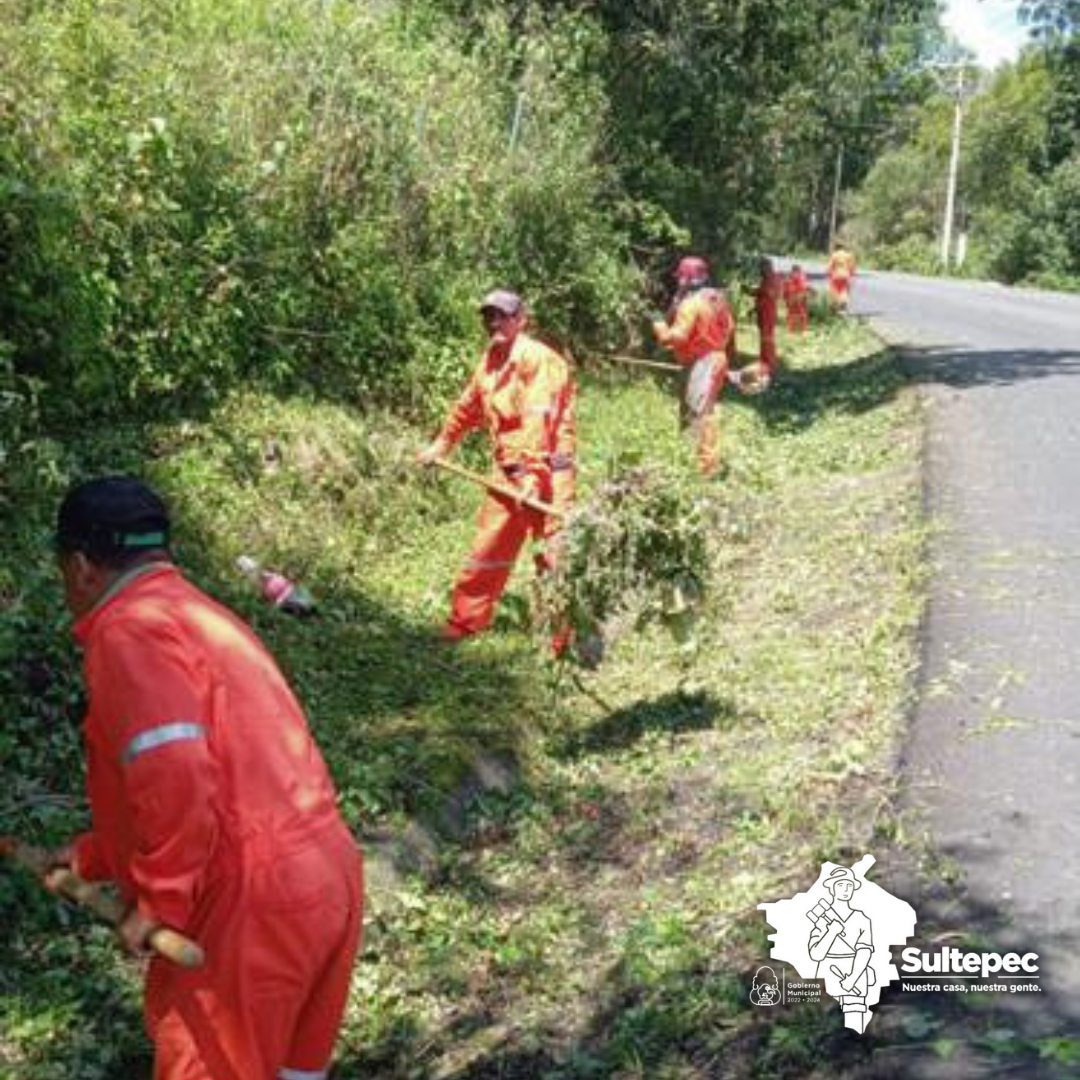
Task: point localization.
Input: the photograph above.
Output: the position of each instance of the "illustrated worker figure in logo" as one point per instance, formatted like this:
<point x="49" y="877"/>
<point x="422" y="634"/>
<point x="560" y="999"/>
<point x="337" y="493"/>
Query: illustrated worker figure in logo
<point x="842" y="945"/>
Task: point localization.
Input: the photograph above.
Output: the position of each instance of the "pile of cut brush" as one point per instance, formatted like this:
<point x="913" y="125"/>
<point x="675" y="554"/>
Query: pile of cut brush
<point x="635" y="553"/>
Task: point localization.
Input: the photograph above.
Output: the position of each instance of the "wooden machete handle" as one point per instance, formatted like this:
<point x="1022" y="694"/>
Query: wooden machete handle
<point x="501" y="489"/>
<point x="165" y="942"/>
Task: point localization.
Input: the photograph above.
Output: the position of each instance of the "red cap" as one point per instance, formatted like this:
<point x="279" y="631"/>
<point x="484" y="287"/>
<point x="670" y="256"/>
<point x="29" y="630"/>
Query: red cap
<point x="692" y="268"/>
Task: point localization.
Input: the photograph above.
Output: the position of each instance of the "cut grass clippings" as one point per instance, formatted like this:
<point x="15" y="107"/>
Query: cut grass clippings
<point x="597" y="916"/>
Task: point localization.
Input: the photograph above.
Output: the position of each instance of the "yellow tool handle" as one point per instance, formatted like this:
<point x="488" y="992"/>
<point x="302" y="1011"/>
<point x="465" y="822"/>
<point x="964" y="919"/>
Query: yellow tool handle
<point x="500" y="489"/>
<point x="642" y="363"/>
<point x="165" y="942"/>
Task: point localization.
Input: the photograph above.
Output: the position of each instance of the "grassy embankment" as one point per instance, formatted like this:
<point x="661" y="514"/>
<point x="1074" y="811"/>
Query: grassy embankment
<point x="599" y="918"/>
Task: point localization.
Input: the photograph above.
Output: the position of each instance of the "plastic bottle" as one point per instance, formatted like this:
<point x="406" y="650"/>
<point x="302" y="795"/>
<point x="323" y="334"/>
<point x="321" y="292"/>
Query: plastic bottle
<point x="277" y="589"/>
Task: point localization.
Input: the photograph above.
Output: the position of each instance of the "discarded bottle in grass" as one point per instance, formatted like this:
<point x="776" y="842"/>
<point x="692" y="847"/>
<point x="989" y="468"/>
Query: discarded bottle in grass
<point x="277" y="589"/>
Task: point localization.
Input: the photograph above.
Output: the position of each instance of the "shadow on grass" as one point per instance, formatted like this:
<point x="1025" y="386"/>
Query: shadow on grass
<point x="649" y="1016"/>
<point x="672" y="713"/>
<point x="61" y="981"/>
<point x="801" y="396"/>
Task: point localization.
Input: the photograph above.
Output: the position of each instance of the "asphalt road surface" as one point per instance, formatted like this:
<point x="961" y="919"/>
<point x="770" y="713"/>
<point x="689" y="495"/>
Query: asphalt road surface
<point x="992" y="766"/>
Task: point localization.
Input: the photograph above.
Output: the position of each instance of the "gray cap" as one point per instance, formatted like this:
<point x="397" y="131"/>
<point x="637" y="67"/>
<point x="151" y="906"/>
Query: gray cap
<point x="509" y="303"/>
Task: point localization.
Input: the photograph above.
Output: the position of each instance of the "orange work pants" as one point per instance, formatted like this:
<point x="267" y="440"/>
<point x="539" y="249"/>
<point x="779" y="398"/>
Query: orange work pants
<point x="280" y="929"/>
<point x="797" y="318"/>
<point x="767" y="352"/>
<point x="838" y="290"/>
<point x="501" y="528"/>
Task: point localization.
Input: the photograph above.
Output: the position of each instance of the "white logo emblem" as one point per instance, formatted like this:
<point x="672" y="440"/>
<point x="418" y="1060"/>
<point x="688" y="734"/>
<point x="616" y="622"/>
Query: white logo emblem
<point x="842" y="931"/>
<point x="766" y="988"/>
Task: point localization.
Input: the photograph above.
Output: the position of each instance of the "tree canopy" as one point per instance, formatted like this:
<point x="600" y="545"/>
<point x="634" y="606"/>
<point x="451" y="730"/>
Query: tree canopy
<point x="313" y="194"/>
<point x="1017" y="179"/>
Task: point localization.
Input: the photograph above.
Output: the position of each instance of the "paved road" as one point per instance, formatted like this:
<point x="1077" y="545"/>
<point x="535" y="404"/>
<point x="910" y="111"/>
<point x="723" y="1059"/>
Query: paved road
<point x="993" y="761"/>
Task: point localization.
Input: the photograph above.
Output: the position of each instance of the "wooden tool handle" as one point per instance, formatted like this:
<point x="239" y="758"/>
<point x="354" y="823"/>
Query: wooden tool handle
<point x="165" y="942"/>
<point x="175" y="947"/>
<point x="500" y="489"/>
<point x="639" y="362"/>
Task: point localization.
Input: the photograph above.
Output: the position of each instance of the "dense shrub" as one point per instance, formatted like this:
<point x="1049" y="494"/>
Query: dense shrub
<point x="1065" y="195"/>
<point x="915" y="254"/>
<point x="240" y="190"/>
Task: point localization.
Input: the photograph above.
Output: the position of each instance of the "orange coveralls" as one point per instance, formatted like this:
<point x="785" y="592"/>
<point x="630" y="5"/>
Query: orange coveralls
<point x="766" y="305"/>
<point x="527" y="405"/>
<point x="702" y="327"/>
<point x="840" y="271"/>
<point x="796" y="291"/>
<point x="214" y="813"/>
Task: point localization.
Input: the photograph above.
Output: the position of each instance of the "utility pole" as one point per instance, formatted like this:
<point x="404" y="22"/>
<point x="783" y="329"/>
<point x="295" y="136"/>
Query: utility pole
<point x="836" y="194"/>
<point x="954" y="163"/>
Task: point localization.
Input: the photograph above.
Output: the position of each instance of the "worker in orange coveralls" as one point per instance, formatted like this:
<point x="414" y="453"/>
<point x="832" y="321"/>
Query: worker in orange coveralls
<point x="796" y="294"/>
<point x="523" y="393"/>
<point x="839" y="271"/>
<point x="212" y="809"/>
<point x="700" y="331"/>
<point x="766" y="306"/>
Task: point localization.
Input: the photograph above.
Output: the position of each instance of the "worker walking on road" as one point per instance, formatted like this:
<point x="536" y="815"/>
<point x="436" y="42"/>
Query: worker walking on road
<point x="840" y="272"/>
<point x="523" y="393"/>
<point x="766" y="307"/>
<point x="700" y="331"/>
<point x="796" y="295"/>
<point x="212" y="809"/>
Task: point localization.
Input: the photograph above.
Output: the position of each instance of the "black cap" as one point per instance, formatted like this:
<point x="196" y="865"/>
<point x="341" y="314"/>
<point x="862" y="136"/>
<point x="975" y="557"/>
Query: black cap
<point x="112" y="519"/>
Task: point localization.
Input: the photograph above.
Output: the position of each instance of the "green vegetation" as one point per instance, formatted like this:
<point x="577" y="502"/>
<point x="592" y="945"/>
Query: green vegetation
<point x="1017" y="183"/>
<point x="241" y="242"/>
<point x="590" y="916"/>
<point x="312" y="195"/>
<point x="293" y="194"/>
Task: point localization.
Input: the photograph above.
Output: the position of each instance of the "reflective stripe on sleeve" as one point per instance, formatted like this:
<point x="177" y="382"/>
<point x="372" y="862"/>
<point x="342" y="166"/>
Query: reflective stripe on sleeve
<point x="152" y="738"/>
<point x="302" y="1074"/>
<point x="488" y="564"/>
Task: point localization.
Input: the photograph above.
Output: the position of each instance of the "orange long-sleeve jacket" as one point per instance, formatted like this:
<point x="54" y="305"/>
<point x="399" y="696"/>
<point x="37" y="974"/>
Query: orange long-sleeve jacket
<point x="197" y="750"/>
<point x="841" y="266"/>
<point x="527" y="405"/>
<point x="796" y="287"/>
<point x="702" y="324"/>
